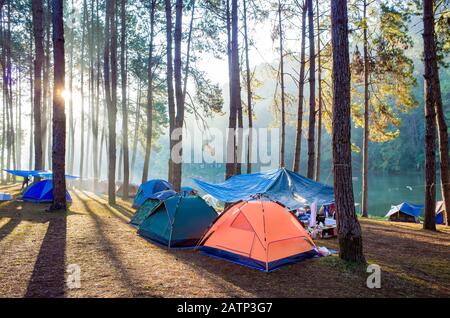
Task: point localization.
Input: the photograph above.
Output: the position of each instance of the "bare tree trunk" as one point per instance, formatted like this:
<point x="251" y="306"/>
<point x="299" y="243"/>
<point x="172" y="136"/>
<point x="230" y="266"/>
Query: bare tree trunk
<point x="38" y="31"/>
<point x="82" y="130"/>
<point x="71" y="120"/>
<point x="364" y="207"/>
<point x="430" y="116"/>
<point x="319" y="78"/>
<point x="230" y="167"/>
<point x="30" y="166"/>
<point x="249" y="93"/>
<point x="179" y="118"/>
<point x="149" y="108"/>
<point x="283" y="115"/>
<point x="349" y="230"/>
<point x="301" y="86"/>
<point x="312" y="91"/>
<point x="442" y="137"/>
<point x="123" y="46"/>
<point x="136" y="128"/>
<point x="235" y="76"/>
<point x="109" y="58"/>
<point x="169" y="79"/>
<point x="95" y="120"/>
<point x="59" y="116"/>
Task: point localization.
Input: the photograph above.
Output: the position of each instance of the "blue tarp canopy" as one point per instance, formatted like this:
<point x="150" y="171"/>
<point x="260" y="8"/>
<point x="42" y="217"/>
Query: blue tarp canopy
<point x="280" y="185"/>
<point x="26" y="173"/>
<point x="47" y="174"/>
<point x="407" y="208"/>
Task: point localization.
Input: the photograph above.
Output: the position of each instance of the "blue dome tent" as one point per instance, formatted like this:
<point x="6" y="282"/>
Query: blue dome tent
<point x="148" y="190"/>
<point x="41" y="191"/>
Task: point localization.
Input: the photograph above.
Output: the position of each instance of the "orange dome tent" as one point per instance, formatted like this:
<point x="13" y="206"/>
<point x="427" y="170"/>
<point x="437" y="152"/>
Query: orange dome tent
<point x="258" y="234"/>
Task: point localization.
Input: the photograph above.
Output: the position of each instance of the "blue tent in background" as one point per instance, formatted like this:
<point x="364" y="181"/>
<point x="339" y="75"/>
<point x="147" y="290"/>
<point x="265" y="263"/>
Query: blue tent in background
<point x="280" y="185"/>
<point x="405" y="212"/>
<point x="41" y="191"/>
<point x="149" y="190"/>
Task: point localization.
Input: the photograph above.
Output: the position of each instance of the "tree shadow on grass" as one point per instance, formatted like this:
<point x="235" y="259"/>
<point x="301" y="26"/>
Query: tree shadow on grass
<point x="108" y="246"/>
<point x="7" y="228"/>
<point x="48" y="277"/>
<point x="124" y="211"/>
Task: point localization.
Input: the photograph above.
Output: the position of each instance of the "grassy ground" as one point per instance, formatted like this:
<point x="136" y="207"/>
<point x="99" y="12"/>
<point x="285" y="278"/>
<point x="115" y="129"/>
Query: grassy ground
<point x="37" y="246"/>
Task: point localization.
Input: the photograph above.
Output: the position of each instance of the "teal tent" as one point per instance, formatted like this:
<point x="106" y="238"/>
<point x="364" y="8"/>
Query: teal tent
<point x="149" y="189"/>
<point x="143" y="212"/>
<point x="179" y="221"/>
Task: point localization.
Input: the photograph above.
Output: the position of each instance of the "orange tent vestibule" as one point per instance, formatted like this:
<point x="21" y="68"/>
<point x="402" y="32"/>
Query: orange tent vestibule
<point x="259" y="234"/>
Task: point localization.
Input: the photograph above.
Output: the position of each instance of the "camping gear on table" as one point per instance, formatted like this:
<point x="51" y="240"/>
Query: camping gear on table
<point x="405" y="212"/>
<point x="132" y="190"/>
<point x="259" y="234"/>
<point x="440" y="210"/>
<point x="179" y="221"/>
<point x="148" y="189"/>
<point x="5" y="196"/>
<point x="41" y="192"/>
<point x="280" y="185"/>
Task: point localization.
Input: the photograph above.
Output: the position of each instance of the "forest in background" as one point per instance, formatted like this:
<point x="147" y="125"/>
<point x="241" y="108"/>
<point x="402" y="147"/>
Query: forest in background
<point x="389" y="31"/>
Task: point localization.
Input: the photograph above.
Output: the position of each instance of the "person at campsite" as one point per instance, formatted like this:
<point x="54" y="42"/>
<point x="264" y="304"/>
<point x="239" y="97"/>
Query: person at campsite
<point x="25" y="182"/>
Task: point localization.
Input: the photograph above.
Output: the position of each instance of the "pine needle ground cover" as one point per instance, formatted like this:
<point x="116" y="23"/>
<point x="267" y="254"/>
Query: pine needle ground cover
<point x="38" y="247"/>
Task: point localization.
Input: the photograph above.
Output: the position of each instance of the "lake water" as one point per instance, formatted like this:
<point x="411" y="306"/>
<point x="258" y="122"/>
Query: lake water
<point x="387" y="190"/>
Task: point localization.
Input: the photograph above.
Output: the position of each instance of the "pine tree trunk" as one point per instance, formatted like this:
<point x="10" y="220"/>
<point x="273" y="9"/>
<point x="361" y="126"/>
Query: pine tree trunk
<point x="249" y="94"/>
<point x="283" y="112"/>
<point x="312" y="91"/>
<point x="110" y="81"/>
<point x="235" y="98"/>
<point x="59" y="116"/>
<point x="136" y="129"/>
<point x="442" y="137"/>
<point x="365" y="185"/>
<point x="82" y="129"/>
<point x="71" y="149"/>
<point x="30" y="166"/>
<point x="301" y="86"/>
<point x="38" y="31"/>
<point x="430" y="116"/>
<point x="179" y="118"/>
<point x="95" y="122"/>
<point x="149" y="108"/>
<point x="319" y="113"/>
<point x="169" y="80"/>
<point x="230" y="167"/>
<point x="123" y="46"/>
<point x="349" y="230"/>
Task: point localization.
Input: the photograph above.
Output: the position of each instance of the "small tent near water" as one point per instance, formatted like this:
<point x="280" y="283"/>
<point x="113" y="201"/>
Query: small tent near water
<point x="41" y="192"/>
<point x="258" y="234"/>
<point x="440" y="210"/>
<point x="179" y="221"/>
<point x="149" y="189"/>
<point x="405" y="212"/>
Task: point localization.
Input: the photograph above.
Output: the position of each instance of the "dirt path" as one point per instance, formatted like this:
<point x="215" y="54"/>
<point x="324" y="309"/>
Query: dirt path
<point x="36" y="247"/>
